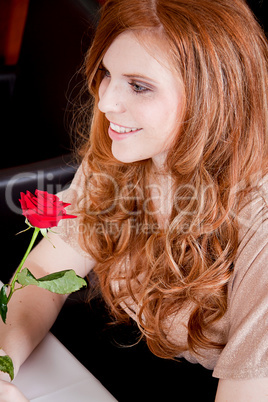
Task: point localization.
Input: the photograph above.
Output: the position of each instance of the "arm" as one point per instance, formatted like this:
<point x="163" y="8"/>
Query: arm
<point x="243" y="390"/>
<point x="32" y="311"/>
<point x="245" y="359"/>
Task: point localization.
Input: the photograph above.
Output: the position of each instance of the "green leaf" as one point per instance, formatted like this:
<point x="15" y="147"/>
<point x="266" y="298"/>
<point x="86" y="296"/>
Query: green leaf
<point x="3" y="303"/>
<point x="6" y="365"/>
<point x="63" y="282"/>
<point x="25" y="278"/>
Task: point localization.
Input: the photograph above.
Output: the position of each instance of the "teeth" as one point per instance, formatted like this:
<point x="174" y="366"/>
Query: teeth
<point x="121" y="130"/>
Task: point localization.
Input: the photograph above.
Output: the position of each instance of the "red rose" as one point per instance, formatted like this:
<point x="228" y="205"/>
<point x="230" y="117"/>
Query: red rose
<point x="43" y="210"/>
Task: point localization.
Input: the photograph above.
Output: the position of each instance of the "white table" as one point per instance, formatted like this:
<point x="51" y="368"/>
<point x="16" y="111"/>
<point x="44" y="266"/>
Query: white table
<point x="53" y="374"/>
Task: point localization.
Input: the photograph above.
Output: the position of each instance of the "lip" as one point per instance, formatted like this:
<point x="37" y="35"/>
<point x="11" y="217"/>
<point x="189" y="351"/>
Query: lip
<point x="114" y="135"/>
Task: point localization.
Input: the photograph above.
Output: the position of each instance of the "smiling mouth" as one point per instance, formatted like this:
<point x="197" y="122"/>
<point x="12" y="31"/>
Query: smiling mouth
<point x="121" y="129"/>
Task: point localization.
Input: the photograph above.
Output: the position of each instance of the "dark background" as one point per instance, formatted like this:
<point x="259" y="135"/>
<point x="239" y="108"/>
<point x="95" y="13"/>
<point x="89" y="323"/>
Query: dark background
<point x="36" y="93"/>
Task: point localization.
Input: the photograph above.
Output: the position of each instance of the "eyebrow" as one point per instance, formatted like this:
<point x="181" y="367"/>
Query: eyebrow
<point x="141" y="77"/>
<point x="134" y="75"/>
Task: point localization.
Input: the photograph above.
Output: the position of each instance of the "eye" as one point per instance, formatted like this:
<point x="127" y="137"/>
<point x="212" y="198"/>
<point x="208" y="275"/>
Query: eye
<point x="139" y="88"/>
<point x="105" y="73"/>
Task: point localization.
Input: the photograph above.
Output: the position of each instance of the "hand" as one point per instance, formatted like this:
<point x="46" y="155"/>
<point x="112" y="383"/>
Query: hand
<point x="10" y="393"/>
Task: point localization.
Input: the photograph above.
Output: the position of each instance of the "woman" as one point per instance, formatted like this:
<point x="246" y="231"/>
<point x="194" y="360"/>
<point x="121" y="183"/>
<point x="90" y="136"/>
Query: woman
<point x="172" y="190"/>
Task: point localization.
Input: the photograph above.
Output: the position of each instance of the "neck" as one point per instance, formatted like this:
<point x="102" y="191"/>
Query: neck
<point x="159" y="163"/>
<point x="162" y="193"/>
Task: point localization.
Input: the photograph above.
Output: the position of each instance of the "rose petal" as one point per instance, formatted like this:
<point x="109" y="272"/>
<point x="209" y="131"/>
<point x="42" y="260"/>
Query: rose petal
<point x="43" y="210"/>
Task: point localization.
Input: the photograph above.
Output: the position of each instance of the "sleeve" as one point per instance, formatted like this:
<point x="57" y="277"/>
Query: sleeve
<point x="246" y="352"/>
<point x="69" y="229"/>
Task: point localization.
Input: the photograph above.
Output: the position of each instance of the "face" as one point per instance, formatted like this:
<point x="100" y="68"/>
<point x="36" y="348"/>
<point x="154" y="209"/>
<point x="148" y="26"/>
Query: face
<point x="142" y="97"/>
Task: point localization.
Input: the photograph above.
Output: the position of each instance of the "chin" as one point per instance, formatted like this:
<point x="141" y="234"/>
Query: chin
<point x="124" y="157"/>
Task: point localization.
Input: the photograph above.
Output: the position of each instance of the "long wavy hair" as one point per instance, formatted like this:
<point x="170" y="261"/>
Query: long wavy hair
<point x="220" y="53"/>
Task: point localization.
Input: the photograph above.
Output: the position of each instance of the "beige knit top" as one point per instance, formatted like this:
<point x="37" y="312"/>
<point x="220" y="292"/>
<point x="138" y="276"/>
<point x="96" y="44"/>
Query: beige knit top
<point x="244" y="327"/>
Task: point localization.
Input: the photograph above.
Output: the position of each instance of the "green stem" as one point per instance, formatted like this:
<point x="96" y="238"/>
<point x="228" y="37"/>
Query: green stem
<point x="12" y="285"/>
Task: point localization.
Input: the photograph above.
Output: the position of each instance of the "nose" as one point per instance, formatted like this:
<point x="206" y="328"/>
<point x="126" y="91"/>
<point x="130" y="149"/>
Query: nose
<point x="110" y="98"/>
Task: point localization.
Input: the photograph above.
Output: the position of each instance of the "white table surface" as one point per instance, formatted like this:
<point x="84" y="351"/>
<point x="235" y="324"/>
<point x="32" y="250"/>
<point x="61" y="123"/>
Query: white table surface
<point x="53" y="374"/>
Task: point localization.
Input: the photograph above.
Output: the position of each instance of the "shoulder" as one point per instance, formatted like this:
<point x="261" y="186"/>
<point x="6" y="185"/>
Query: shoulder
<point x="74" y="195"/>
<point x="252" y="251"/>
<point x="76" y="188"/>
<point x="254" y="213"/>
<point x="246" y="354"/>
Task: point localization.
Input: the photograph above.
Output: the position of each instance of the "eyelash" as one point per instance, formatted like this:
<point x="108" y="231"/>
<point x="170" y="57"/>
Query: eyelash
<point x="105" y="72"/>
<point x="137" y="88"/>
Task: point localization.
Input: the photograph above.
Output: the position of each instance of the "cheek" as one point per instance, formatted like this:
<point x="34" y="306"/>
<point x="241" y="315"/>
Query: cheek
<point x="171" y="113"/>
<point x="163" y="116"/>
<point x="151" y="114"/>
<point x="166" y="122"/>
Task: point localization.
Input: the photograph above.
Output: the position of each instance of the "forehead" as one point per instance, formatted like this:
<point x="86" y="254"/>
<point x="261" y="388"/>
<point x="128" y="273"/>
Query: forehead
<point x="139" y="52"/>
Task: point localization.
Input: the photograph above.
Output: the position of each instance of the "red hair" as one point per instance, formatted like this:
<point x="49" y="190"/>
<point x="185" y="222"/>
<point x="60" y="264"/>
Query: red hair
<point x="220" y="52"/>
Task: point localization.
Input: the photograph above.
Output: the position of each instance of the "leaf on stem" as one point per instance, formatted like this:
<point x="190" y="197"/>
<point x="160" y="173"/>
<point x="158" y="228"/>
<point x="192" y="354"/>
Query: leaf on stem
<point x="3" y="303"/>
<point x="62" y="282"/>
<point x="6" y="365"/>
